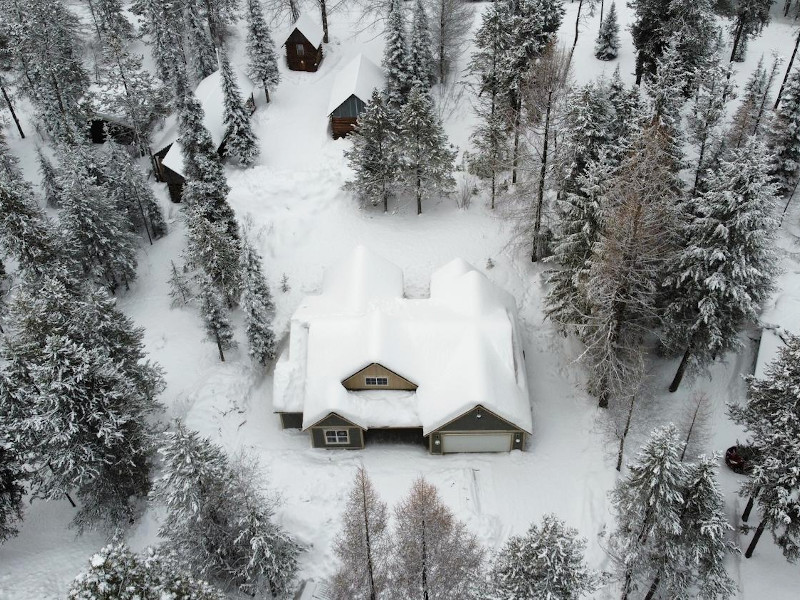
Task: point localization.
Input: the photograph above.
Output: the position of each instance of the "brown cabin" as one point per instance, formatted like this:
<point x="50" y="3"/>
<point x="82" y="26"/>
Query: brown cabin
<point x="351" y="92"/>
<point x="304" y="45"/>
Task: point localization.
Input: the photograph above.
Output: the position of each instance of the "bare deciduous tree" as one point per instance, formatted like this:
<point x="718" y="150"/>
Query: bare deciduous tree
<point x="450" y="23"/>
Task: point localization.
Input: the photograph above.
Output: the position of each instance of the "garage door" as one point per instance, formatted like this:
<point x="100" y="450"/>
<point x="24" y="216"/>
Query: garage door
<point x="476" y="442"/>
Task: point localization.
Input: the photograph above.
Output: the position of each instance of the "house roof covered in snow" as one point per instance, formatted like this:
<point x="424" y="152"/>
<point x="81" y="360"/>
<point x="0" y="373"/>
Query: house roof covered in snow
<point x="460" y="346"/>
<point x="210" y="94"/>
<point x="780" y="317"/>
<point x="358" y="78"/>
<point x="310" y="29"/>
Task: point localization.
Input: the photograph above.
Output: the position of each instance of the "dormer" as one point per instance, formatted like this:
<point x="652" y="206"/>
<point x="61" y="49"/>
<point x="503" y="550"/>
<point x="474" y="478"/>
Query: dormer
<point x="377" y="377"/>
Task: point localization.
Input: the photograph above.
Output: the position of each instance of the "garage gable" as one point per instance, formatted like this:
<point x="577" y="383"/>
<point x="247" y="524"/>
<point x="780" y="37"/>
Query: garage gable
<point x="377" y="377"/>
<point x="478" y="419"/>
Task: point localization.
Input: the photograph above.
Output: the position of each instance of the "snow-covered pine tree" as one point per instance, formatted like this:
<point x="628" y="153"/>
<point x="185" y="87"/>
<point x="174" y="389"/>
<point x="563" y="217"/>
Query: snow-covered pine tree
<point x="363" y="546"/>
<point x="666" y="89"/>
<point x="218" y="521"/>
<point x="163" y="22"/>
<point x="215" y="315"/>
<point x="257" y="305"/>
<point x="132" y="195"/>
<point x="692" y="25"/>
<point x="201" y="47"/>
<point x="99" y="236"/>
<point x="240" y="141"/>
<point x="179" y="287"/>
<point x="25" y="232"/>
<point x="546" y="562"/>
<point x="784" y="137"/>
<point x="580" y="223"/>
<point x="11" y="485"/>
<point x="451" y="23"/>
<point x="648" y="502"/>
<point x="396" y="60"/>
<point x="424" y="155"/>
<point x="628" y="263"/>
<point x="650" y="34"/>
<point x="110" y="24"/>
<point x="490" y="138"/>
<point x="756" y="99"/>
<point x="433" y="554"/>
<point x="116" y="573"/>
<point x="373" y="156"/>
<point x="714" y="89"/>
<point x="628" y="111"/>
<point x="726" y="269"/>
<point x="750" y="17"/>
<point x="77" y="395"/>
<point x="607" y="45"/>
<point x="50" y="188"/>
<point x="263" y="64"/>
<point x="420" y="56"/>
<point x="771" y="415"/>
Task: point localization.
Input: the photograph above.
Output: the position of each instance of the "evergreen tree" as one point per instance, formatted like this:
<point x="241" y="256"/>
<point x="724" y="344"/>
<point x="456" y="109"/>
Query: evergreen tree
<point x="547" y="562"/>
<point x="750" y="17"/>
<point x="396" y="60"/>
<point x="116" y="573"/>
<point x="50" y="187"/>
<point x="756" y="98"/>
<point x="76" y="393"/>
<point x="263" y="65"/>
<point x="784" y="137"/>
<point x="11" y="487"/>
<point x="98" y="235"/>
<point x="650" y="36"/>
<point x="364" y="545"/>
<point x="240" y="141"/>
<point x="627" y="109"/>
<point x="163" y="22"/>
<point x="692" y="26"/>
<point x="132" y="195"/>
<point x="201" y="46"/>
<point x="421" y="63"/>
<point x="666" y="90"/>
<point x="727" y="266"/>
<point x="110" y="23"/>
<point x="218" y="521"/>
<point x="179" y="288"/>
<point x="215" y="316"/>
<point x="648" y="502"/>
<point x="771" y="416"/>
<point x="257" y="306"/>
<point x="607" y="45"/>
<point x="373" y="155"/>
<point x="433" y="555"/>
<point x="425" y="158"/>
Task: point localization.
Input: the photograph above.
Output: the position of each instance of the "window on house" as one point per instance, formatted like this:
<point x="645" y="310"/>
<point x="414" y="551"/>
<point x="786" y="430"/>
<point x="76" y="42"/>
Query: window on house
<point x="301" y="49"/>
<point x="377" y="380"/>
<point x="337" y="436"/>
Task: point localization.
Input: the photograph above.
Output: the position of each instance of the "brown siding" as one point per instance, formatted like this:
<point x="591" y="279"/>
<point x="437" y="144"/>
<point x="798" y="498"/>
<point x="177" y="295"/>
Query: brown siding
<point x="334" y="420"/>
<point x="342" y="126"/>
<point x="311" y="56"/>
<point x="396" y="382"/>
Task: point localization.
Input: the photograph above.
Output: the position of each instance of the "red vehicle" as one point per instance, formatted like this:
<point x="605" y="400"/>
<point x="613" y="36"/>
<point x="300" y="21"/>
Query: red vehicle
<point x="735" y="460"/>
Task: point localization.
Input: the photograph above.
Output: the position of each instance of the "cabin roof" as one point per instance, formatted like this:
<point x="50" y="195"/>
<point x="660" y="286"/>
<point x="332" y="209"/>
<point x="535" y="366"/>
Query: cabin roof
<point x="309" y="28"/>
<point x="358" y="78"/>
<point x="211" y="96"/>
<point x="461" y="346"/>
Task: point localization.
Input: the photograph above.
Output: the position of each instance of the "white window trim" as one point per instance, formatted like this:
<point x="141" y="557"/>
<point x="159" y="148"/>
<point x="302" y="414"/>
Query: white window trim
<point x="335" y="430"/>
<point x="385" y="381"/>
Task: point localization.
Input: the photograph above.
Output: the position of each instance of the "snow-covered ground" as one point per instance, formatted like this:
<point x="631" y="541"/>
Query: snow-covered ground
<point x="303" y="222"/>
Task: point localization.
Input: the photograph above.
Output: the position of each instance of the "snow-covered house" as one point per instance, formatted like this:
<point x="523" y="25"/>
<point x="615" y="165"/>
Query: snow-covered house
<point x="352" y="90"/>
<point x="167" y="149"/>
<point x="304" y="44"/>
<point x="362" y="357"/>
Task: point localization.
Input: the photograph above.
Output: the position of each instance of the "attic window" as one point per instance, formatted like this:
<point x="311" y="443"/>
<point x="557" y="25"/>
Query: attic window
<point x="376" y="380"/>
<point x="337" y="436"/>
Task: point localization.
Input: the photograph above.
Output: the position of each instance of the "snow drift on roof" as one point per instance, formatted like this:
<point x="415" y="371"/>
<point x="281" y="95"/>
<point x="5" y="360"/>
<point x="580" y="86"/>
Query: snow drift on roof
<point x="310" y="29"/>
<point x="212" y="99"/>
<point x="358" y="78"/>
<point x="460" y="346"/>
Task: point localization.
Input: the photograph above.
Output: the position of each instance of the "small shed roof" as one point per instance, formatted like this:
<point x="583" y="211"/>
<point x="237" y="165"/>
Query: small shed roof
<point x="310" y="29"/>
<point x="212" y="99"/>
<point x="358" y="78"/>
<point x="461" y="346"/>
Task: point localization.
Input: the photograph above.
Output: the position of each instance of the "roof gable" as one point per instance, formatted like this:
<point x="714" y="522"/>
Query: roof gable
<point x="356" y="381"/>
<point x="357" y="78"/>
<point x="308" y="28"/>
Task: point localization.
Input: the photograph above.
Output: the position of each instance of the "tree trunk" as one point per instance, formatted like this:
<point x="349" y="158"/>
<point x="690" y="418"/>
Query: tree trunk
<point x="372" y="592"/>
<point x="323" y="9"/>
<point x="653" y="588"/>
<point x="442" y="21"/>
<point x="424" y="564"/>
<point x="419" y="192"/>
<point x="699" y="170"/>
<point x="639" y="68"/>
<point x="605" y="394"/>
<point x="749" y="507"/>
<point x="676" y="381"/>
<point x="691" y="428"/>
<point x="13" y="114"/>
<point x="537" y="225"/>
<point x="601" y="11"/>
<point x="577" y="23"/>
<point x="625" y="434"/>
<point x="788" y="70"/>
<point x="737" y="38"/>
<point x="71" y="501"/>
<point x="517" y="117"/>
<point x="219" y="347"/>
<point x="266" y="92"/>
<point x="756" y="537"/>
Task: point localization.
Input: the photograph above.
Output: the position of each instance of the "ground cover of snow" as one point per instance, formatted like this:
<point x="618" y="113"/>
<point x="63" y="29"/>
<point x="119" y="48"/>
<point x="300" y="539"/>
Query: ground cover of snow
<point x="303" y="221"/>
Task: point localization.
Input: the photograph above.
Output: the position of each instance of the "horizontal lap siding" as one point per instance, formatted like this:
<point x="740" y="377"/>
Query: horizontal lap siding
<point x="396" y="382"/>
<point x="342" y="126"/>
<point x="471" y="423"/>
<point x="318" y="438"/>
<point x="309" y="61"/>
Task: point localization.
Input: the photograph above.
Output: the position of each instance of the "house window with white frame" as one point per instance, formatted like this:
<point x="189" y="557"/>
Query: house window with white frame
<point x="378" y="381"/>
<point x="337" y="437"/>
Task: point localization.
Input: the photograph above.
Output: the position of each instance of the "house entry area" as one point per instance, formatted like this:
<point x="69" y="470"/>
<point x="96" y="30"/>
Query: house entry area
<point x="407" y="436"/>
